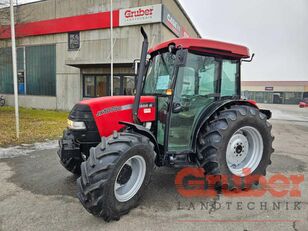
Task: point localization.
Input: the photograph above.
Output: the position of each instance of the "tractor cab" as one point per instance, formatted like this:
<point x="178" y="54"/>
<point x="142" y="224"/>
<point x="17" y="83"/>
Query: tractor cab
<point x="189" y="78"/>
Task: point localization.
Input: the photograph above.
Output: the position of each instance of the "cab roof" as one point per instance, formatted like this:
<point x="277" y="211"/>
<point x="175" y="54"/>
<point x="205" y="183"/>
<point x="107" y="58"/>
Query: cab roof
<point x="205" y="45"/>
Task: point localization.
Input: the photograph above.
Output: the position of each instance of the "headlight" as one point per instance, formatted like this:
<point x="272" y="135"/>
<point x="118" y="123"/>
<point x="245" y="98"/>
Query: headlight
<point x="76" y="125"/>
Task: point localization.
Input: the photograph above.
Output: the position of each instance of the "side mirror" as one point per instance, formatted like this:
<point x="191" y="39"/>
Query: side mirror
<point x="180" y="58"/>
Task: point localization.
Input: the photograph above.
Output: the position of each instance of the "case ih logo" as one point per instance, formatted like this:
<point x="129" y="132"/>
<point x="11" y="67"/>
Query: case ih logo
<point x="141" y="15"/>
<point x="173" y="24"/>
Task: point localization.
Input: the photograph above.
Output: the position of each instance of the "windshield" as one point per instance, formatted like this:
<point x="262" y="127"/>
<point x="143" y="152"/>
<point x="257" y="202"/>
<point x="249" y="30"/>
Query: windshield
<point x="159" y="74"/>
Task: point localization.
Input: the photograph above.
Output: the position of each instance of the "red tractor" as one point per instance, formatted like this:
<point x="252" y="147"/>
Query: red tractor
<point x="187" y="111"/>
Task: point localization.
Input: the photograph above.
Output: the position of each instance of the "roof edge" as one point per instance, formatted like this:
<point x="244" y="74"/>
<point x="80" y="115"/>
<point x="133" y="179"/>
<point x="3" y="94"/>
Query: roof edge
<point x="213" y="45"/>
<point x="274" y="82"/>
<point x="187" y="17"/>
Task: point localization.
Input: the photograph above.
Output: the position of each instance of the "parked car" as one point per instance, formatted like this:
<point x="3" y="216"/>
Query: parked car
<point x="303" y="103"/>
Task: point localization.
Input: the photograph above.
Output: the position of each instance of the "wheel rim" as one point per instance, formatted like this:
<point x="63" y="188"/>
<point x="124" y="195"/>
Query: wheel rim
<point x="129" y="178"/>
<point x="244" y="151"/>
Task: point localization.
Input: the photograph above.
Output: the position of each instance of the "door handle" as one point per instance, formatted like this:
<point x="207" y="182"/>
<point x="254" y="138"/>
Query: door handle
<point x="177" y="107"/>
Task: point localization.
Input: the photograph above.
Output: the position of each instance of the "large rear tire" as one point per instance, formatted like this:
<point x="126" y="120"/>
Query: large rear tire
<point x="115" y="175"/>
<point x="235" y="144"/>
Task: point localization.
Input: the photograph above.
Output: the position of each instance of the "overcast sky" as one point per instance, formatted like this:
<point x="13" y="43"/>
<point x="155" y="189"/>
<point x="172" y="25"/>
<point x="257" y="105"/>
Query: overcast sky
<point x="275" y="30"/>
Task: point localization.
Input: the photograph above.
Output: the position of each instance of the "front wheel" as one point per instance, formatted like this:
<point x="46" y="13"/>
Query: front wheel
<point x="236" y="144"/>
<point x="115" y="175"/>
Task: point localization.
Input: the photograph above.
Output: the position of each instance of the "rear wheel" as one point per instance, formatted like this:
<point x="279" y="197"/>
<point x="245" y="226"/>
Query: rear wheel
<point x="115" y="175"/>
<point x="237" y="143"/>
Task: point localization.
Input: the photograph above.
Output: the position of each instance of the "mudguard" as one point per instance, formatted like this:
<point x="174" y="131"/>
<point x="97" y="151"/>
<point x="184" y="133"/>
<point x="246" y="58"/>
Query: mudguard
<point x="146" y="132"/>
<point x="208" y="112"/>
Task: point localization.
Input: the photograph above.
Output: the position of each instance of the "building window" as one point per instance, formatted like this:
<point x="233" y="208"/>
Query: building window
<point x="128" y="85"/>
<point x="73" y="41"/>
<point x="116" y="85"/>
<point x="89" y="86"/>
<point x="99" y="85"/>
<point x="95" y="86"/>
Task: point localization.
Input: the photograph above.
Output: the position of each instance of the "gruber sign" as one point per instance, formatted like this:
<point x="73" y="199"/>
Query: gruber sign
<point x="140" y="15"/>
<point x="123" y="17"/>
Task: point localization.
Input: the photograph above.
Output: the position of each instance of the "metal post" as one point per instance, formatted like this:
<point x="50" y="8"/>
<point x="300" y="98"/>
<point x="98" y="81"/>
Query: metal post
<point x="111" y="47"/>
<point x="14" y="67"/>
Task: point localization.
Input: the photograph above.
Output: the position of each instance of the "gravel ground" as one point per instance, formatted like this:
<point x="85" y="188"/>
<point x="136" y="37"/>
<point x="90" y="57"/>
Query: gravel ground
<point x="37" y="193"/>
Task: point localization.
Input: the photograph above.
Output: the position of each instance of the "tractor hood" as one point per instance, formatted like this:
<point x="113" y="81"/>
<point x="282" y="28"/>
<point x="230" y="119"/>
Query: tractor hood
<point x="109" y="111"/>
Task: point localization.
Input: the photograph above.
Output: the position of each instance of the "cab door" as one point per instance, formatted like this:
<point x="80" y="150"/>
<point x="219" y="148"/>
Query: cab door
<point x="196" y="88"/>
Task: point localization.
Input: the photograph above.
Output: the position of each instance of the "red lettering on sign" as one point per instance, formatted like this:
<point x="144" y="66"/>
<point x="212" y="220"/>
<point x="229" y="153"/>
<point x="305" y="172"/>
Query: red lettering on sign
<point x="138" y="13"/>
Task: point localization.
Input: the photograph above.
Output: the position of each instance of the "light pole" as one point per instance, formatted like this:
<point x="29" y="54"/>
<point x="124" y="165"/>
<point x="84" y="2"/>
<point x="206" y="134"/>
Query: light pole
<point x="111" y="47"/>
<point x="14" y="67"/>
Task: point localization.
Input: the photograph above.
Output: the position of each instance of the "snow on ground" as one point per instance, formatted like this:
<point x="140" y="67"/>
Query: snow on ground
<point x="25" y="149"/>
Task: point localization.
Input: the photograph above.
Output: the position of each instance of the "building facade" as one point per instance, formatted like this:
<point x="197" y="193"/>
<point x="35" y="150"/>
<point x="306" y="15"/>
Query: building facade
<point x="277" y="92"/>
<point x="63" y="47"/>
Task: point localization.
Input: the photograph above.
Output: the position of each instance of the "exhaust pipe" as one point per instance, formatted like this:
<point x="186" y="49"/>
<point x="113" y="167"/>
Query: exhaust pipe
<point x="140" y="75"/>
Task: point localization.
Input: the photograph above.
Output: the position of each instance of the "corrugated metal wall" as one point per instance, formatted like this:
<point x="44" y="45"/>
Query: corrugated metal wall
<point x="6" y="71"/>
<point x="41" y="70"/>
<point x="20" y="58"/>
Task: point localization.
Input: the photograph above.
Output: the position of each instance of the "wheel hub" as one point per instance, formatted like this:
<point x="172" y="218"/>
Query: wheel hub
<point x="244" y="151"/>
<point x="238" y="148"/>
<point x="125" y="174"/>
<point x="130" y="178"/>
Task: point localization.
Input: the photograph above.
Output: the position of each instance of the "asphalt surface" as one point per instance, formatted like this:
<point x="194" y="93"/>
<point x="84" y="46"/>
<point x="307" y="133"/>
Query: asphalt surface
<point x="37" y="193"/>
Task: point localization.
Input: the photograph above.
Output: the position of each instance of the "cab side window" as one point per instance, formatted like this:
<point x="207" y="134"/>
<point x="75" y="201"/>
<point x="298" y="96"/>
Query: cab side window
<point x="207" y="76"/>
<point x="229" y="76"/>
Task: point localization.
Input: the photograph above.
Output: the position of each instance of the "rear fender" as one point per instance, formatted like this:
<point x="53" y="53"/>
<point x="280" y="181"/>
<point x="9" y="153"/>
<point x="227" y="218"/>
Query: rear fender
<point x="208" y="112"/>
<point x="268" y="113"/>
